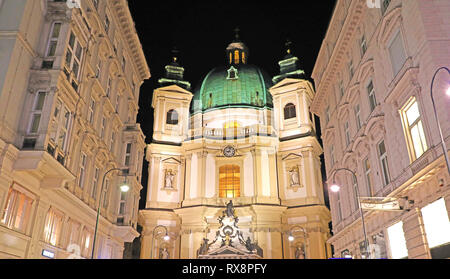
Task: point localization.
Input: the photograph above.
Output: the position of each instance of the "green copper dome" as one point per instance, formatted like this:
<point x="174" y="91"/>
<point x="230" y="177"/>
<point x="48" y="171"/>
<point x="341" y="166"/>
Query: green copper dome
<point x="239" y="86"/>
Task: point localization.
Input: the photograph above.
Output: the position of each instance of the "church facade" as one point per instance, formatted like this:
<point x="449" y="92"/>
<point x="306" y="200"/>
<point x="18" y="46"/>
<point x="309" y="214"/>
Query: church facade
<point x="234" y="165"/>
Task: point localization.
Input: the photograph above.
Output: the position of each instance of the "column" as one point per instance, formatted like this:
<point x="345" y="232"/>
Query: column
<point x="414" y="230"/>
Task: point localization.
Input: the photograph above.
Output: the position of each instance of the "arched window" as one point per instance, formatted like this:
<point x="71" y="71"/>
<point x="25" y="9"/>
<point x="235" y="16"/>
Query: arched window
<point x="236" y="57"/>
<point x="172" y="117"/>
<point x="229" y="181"/>
<point x="289" y="111"/>
<point x="243" y="57"/>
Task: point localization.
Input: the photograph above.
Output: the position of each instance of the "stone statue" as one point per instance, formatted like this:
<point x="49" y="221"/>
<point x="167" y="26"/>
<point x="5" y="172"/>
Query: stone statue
<point x="169" y="179"/>
<point x="295" y="180"/>
<point x="163" y="253"/>
<point x="229" y="212"/>
<point x="299" y="253"/>
<point x="204" y="247"/>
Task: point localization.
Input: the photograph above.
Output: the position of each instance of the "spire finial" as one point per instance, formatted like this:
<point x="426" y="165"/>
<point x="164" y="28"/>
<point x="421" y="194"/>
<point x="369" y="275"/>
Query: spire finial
<point x="175" y="53"/>
<point x="288" y="46"/>
<point x="236" y="33"/>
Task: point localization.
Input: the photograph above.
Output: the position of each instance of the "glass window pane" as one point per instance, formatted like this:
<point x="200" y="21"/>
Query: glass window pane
<point x="56" y="29"/>
<point x="436" y="222"/>
<point x="35" y="123"/>
<point x="72" y="40"/>
<point x="40" y="101"/>
<point x="397" y="241"/>
<point x="412" y="114"/>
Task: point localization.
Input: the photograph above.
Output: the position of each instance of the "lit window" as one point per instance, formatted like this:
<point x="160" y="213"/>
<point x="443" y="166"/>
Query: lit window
<point x="397" y="241"/>
<point x="397" y="53"/>
<point x="229" y="181"/>
<point x="236" y="57"/>
<point x="86" y="243"/>
<point x="436" y="222"/>
<point x="384" y="163"/>
<point x="415" y="136"/>
<point x="172" y="117"/>
<point x="37" y="112"/>
<point x="74" y="236"/>
<point x="53" y="227"/>
<point x="231" y="57"/>
<point x="17" y="210"/>
<point x="289" y="111"/>
<point x="59" y="123"/>
<point x="231" y="124"/>
<point x="243" y="57"/>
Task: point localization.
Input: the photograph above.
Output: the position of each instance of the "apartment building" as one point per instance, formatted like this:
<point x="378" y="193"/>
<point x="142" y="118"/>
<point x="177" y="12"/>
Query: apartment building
<point x="373" y="76"/>
<point x="69" y="89"/>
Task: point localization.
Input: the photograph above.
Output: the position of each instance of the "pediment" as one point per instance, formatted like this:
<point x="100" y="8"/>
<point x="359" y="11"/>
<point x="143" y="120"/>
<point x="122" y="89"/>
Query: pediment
<point x="227" y="250"/>
<point x="174" y="89"/>
<point x="171" y="160"/>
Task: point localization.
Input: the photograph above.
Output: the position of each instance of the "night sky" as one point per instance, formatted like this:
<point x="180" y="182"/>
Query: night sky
<point x="201" y="30"/>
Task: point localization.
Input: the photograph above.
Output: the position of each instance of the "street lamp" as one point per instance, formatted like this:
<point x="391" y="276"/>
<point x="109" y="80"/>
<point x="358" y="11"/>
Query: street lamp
<point x="166" y="236"/>
<point x="124" y="188"/>
<point x="335" y="188"/>
<point x="291" y="237"/>
<point x="444" y="147"/>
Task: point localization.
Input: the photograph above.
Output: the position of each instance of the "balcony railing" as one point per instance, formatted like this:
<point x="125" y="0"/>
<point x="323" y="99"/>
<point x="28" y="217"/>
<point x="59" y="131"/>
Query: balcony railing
<point x="231" y="133"/>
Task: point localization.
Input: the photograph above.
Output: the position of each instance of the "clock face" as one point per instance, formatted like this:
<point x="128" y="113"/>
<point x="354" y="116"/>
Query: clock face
<point x="229" y="151"/>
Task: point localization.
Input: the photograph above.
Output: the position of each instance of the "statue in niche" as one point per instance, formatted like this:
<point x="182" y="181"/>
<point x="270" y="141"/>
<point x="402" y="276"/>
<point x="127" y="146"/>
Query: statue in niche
<point x="169" y="179"/>
<point x="294" y="176"/>
<point x="299" y="253"/>
<point x="164" y="253"/>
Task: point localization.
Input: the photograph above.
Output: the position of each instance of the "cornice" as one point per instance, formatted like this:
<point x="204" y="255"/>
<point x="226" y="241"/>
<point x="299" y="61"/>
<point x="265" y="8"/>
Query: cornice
<point x="130" y="35"/>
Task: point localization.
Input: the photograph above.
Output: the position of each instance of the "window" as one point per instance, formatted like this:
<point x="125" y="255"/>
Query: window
<point x="86" y="243"/>
<point x="128" y="154"/>
<point x="368" y="174"/>
<point x="289" y="111"/>
<point x="243" y="57"/>
<point x="105" y="196"/>
<point x="327" y="115"/>
<point x="338" y="205"/>
<point x="397" y="242"/>
<point x="384" y="163"/>
<point x="112" y="141"/>
<point x="117" y="103"/>
<point x="436" y="222"/>
<point x="355" y="191"/>
<point x="95" y="2"/>
<point x="384" y="5"/>
<point x="83" y="160"/>
<point x="108" y="86"/>
<point x="91" y="110"/>
<point x="16" y="213"/>
<point x="95" y="184"/>
<point x="415" y="135"/>
<point x="397" y="53"/>
<point x="60" y="123"/>
<point x="107" y="22"/>
<point x="53" y="227"/>
<point x="122" y="208"/>
<point x="347" y="133"/>
<point x="73" y="57"/>
<point x="236" y="57"/>
<point x="363" y="45"/>
<point x="36" y="112"/>
<point x="74" y="236"/>
<point x="372" y="99"/>
<point x="172" y="117"/>
<point x="102" y="128"/>
<point x="124" y="62"/>
<point x="358" y="117"/>
<point x="98" y="68"/>
<point x="231" y="57"/>
<point x="229" y="181"/>
<point x="350" y="69"/>
<point x="332" y="156"/>
<point x="53" y="40"/>
<point x="341" y="88"/>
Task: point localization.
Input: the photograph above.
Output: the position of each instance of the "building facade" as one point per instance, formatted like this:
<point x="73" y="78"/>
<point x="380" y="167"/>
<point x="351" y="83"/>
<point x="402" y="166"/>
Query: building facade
<point x="69" y="89"/>
<point x="373" y="76"/>
<point x="234" y="166"/>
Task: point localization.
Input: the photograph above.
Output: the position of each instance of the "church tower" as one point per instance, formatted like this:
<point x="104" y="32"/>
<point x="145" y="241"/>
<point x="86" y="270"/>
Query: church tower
<point x="239" y="180"/>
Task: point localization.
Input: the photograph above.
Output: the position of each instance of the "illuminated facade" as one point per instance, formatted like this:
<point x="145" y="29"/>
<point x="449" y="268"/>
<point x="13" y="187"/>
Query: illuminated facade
<point x="230" y="140"/>
<point x="373" y="77"/>
<point x="69" y="89"/>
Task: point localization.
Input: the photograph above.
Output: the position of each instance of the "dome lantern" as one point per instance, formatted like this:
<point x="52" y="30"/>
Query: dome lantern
<point x="237" y="51"/>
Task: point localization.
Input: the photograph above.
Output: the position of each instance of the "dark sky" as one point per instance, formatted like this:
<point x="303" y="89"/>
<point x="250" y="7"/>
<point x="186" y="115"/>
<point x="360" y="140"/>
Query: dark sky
<point x="201" y="30"/>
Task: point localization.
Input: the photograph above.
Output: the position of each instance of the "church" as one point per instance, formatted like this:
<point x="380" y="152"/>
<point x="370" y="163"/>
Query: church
<point x="234" y="165"/>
